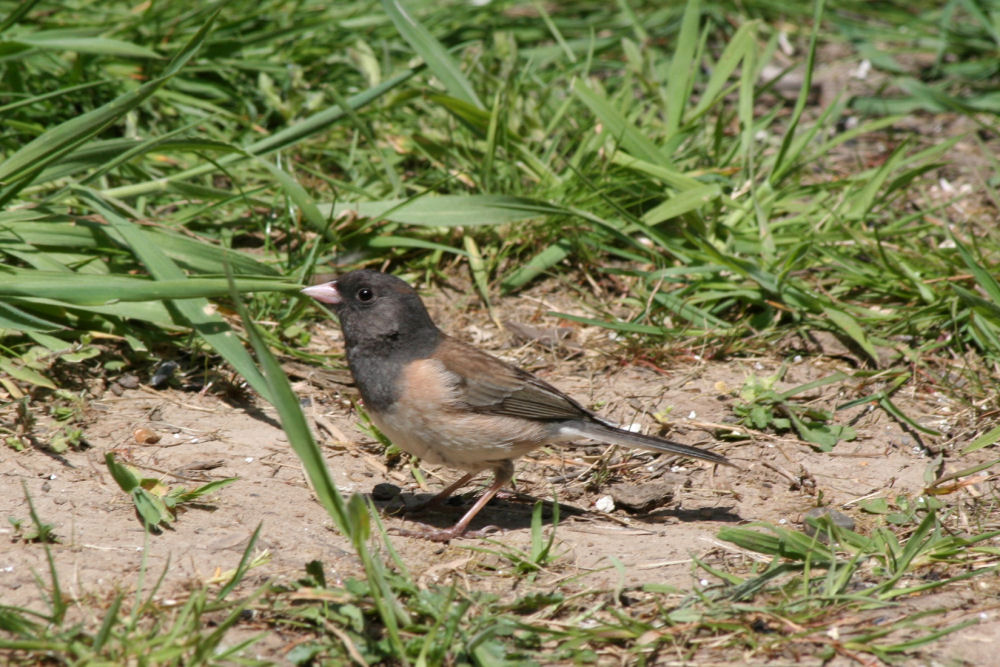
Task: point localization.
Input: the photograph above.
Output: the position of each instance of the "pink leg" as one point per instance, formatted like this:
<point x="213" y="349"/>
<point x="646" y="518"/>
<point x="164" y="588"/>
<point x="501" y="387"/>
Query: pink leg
<point x="502" y="474"/>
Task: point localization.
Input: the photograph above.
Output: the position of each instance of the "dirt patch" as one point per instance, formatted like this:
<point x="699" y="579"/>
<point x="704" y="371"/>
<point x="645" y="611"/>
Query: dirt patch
<point x="676" y="510"/>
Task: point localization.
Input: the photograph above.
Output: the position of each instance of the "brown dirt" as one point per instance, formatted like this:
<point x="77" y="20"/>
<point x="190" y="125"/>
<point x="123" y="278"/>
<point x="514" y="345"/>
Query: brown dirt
<point x="779" y="478"/>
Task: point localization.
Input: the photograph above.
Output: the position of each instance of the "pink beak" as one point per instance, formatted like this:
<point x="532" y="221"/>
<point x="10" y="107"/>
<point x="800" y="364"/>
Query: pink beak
<point x="324" y="293"/>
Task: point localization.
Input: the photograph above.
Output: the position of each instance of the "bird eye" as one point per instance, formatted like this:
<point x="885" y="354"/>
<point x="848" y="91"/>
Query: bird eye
<point x="365" y="294"/>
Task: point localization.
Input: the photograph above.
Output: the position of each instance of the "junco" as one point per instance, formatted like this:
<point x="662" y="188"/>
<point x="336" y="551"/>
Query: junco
<point x="447" y="402"/>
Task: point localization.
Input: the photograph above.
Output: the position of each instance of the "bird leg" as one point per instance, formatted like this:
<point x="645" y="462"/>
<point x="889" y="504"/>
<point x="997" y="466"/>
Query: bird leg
<point x="442" y="495"/>
<point x="502" y="474"/>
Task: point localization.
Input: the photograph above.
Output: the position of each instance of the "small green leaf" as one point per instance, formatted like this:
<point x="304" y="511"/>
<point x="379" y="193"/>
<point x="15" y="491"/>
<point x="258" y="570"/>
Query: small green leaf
<point x="122" y="474"/>
<point x="875" y="505"/>
<point x="84" y="353"/>
<point x="151" y="507"/>
<point x="180" y="495"/>
<point x="25" y="374"/>
<point x="760" y="417"/>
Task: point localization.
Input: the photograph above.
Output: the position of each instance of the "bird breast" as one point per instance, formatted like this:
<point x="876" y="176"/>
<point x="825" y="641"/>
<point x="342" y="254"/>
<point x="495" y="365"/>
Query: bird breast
<point x="431" y="421"/>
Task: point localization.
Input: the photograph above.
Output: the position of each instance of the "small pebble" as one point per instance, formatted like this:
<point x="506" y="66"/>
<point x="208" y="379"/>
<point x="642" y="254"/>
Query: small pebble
<point x="145" y="436"/>
<point x="385" y="491"/>
<point x="837" y="518"/>
<point x="605" y="504"/>
<point x="163" y="373"/>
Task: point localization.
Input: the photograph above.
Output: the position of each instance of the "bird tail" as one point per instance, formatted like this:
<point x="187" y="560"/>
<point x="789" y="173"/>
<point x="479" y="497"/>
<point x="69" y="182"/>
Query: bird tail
<point x="616" y="436"/>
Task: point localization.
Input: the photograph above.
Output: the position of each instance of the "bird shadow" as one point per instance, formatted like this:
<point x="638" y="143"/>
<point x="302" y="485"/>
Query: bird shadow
<point x="514" y="511"/>
<point x="511" y="511"/>
<point x="726" y="514"/>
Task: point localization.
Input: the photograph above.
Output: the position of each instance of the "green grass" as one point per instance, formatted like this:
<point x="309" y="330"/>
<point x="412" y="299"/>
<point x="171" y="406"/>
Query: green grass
<point x="159" y="159"/>
<point x="146" y="629"/>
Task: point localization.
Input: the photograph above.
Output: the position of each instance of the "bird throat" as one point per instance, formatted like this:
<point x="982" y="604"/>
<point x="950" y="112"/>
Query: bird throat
<point x="377" y="362"/>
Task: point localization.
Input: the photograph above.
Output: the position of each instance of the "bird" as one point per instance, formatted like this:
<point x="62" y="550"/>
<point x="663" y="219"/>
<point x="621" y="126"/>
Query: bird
<point x="447" y="402"/>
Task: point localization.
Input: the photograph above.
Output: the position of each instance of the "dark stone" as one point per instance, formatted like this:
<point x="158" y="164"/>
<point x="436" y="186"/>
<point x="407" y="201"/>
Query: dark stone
<point x="646" y="496"/>
<point x="385" y="491"/>
<point x="838" y="519"/>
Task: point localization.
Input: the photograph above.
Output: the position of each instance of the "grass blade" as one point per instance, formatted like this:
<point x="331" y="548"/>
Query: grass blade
<point x="61" y="139"/>
<point x="101" y="289"/>
<point x="683" y="65"/>
<point x="449" y="210"/>
<point x="427" y="47"/>
<point x="197" y="312"/>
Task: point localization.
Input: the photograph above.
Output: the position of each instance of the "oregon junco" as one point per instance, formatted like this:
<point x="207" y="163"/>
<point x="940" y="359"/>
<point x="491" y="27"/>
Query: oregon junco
<point x="447" y="402"/>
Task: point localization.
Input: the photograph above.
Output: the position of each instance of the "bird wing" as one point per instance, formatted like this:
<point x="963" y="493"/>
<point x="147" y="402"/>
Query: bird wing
<point x="488" y="385"/>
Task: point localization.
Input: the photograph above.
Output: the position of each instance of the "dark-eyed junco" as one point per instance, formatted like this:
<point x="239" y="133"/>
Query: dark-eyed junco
<point x="447" y="402"/>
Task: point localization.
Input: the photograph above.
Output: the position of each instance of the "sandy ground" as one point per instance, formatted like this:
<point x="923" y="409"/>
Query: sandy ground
<point x="684" y="504"/>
